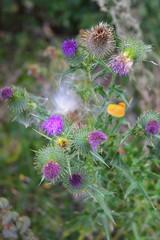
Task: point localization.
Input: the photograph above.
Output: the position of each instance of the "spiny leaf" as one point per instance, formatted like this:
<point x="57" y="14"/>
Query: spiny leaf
<point x="70" y="70"/>
<point x="103" y="205"/>
<point x="105" y="226"/>
<point x="43" y="135"/>
<point x="130" y="176"/>
<point x="96" y="156"/>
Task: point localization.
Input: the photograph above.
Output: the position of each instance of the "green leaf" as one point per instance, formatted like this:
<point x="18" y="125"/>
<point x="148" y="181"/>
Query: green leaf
<point x="157" y="136"/>
<point x="99" y="89"/>
<point x="43" y="135"/>
<point x="96" y="156"/>
<point x="132" y="186"/>
<point x="39" y="117"/>
<point x="70" y="70"/>
<point x="102" y="63"/>
<point x="103" y="205"/>
<point x="122" y="166"/>
<point x="105" y="226"/>
<point x="135" y="232"/>
<point x="153" y="174"/>
<point x="120" y="94"/>
<point x="101" y="191"/>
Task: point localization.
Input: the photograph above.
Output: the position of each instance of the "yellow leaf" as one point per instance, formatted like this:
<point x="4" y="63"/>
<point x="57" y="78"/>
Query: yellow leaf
<point x="117" y="110"/>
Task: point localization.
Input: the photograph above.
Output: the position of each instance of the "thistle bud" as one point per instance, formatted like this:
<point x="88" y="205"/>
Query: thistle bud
<point x="79" y="181"/>
<point x="62" y="142"/>
<point x="19" y="101"/>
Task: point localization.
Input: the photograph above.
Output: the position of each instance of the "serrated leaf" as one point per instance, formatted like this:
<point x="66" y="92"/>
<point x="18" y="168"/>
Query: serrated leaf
<point x="70" y="70"/>
<point x="103" y="205"/>
<point x="130" y="176"/>
<point x="102" y="63"/>
<point x="99" y="89"/>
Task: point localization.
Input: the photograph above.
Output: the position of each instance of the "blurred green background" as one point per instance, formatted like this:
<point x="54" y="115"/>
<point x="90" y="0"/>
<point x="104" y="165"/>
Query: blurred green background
<point x="27" y="28"/>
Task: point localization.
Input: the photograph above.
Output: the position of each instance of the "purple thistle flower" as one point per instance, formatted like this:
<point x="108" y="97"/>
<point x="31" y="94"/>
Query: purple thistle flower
<point x="75" y="180"/>
<point x="121" y="64"/>
<point x="6" y="93"/>
<point x="95" y="138"/>
<point x="152" y="127"/>
<point x="51" y="170"/>
<point x="53" y="125"/>
<point x="69" y="47"/>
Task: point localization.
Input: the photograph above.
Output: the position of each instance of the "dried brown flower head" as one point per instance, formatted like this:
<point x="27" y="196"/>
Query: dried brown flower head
<point x="99" y="40"/>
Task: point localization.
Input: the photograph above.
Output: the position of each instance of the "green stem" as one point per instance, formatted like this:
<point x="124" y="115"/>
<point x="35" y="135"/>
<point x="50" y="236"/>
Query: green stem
<point x="111" y="86"/>
<point x="85" y="100"/>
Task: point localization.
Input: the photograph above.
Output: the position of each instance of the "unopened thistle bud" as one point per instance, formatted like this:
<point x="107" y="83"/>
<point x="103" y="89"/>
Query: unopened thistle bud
<point x="6" y="93"/>
<point x="80" y="140"/>
<point x="19" y="101"/>
<point x="62" y="142"/>
<point x="79" y="181"/>
<point x="99" y="40"/>
<point x="85" y="140"/>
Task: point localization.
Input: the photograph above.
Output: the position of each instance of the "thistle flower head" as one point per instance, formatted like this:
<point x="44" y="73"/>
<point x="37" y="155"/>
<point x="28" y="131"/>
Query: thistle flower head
<point x="70" y="47"/>
<point x="79" y="181"/>
<point x="6" y="93"/>
<point x="51" y="162"/>
<point x="99" y="40"/>
<point x="75" y="180"/>
<point x="53" y="125"/>
<point x="121" y="64"/>
<point x="148" y="123"/>
<point x="152" y="127"/>
<point x="132" y="50"/>
<point x="95" y="138"/>
<point x="51" y="170"/>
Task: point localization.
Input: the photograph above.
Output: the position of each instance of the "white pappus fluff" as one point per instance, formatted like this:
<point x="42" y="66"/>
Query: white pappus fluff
<point x="64" y="101"/>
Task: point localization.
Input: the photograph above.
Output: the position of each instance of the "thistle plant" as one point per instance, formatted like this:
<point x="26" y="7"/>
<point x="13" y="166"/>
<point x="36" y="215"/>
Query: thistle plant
<point x="88" y="157"/>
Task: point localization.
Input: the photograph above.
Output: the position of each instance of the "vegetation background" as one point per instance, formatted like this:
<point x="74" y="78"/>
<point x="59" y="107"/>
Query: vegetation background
<point x="27" y="28"/>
